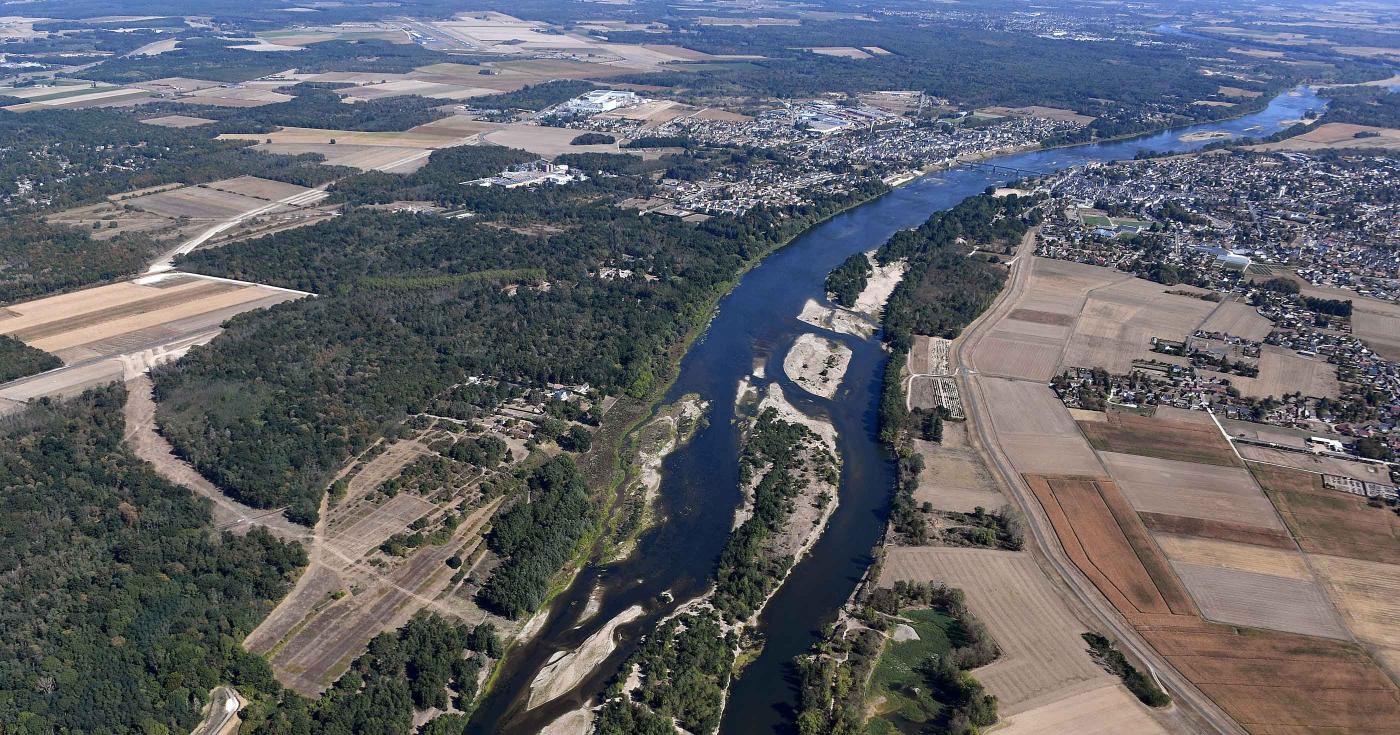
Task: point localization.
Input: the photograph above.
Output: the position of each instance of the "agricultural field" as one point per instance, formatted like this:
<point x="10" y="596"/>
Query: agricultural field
<point x="1106" y="709"/>
<point x="1375" y="322"/>
<point x="954" y="477"/>
<point x="1260" y="600"/>
<point x="1338" y="136"/>
<point x="1328" y="522"/>
<point x="1285" y="371"/>
<point x="178" y="121"/>
<point x="1104" y="538"/>
<point x="120" y="330"/>
<point x="1233" y="555"/>
<point x="1161" y="438"/>
<point x="1274" y="682"/>
<point x="1239" y="319"/>
<point x="1035" y="430"/>
<point x="1117" y="323"/>
<point x="1368" y="595"/>
<point x="1207" y="492"/>
<point x="1043" y="656"/>
<point x="1029" y="341"/>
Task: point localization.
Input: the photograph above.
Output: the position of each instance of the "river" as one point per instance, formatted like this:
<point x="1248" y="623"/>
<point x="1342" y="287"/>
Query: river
<point x="753" y="326"/>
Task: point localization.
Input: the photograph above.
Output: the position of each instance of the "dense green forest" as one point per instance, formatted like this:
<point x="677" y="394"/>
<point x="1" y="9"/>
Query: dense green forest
<point x="58" y="158"/>
<point x="536" y="538"/>
<point x="121" y="606"/>
<point x="685" y="666"/>
<point x="38" y="258"/>
<point x="430" y="662"/>
<point x="847" y="280"/>
<point x="18" y="359"/>
<point x="747" y="571"/>
<point x="410" y="304"/>
<point x="314" y="106"/>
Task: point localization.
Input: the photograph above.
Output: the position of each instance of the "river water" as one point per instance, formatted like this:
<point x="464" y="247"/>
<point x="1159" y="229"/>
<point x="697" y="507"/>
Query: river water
<point x="754" y="326"/>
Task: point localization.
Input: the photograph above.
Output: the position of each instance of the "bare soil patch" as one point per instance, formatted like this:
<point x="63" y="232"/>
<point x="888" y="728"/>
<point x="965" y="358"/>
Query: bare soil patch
<point x="1161" y="438"/>
<point x="817" y="364"/>
<point x="178" y="121"/>
<point x="1260" y="600"/>
<point x="1221" y="530"/>
<point x="954" y="477"/>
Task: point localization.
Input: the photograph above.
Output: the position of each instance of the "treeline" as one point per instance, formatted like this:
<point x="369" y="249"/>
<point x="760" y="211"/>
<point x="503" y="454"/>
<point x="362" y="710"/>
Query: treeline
<point x="40" y="258"/>
<point x="122" y="607"/>
<point x="314" y="106"/>
<point x="18" y="359"/>
<point x="534" y="97"/>
<point x="429" y="663"/>
<point x="847" y="280"/>
<point x="685" y="666"/>
<point x="1142" y="686"/>
<point x="536" y="538"/>
<point x="219" y="60"/>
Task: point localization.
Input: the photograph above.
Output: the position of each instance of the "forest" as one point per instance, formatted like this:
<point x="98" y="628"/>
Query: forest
<point x="536" y="538"/>
<point x="18" y="360"/>
<point x="534" y="97"/>
<point x="847" y="280"/>
<point x="121" y="605"/>
<point x="54" y="159"/>
<point x="685" y="666"/>
<point x="944" y="289"/>
<point x="272" y="407"/>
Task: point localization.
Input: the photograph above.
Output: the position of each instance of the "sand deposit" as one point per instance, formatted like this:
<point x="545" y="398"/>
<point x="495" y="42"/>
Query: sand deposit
<point x="818" y="364"/>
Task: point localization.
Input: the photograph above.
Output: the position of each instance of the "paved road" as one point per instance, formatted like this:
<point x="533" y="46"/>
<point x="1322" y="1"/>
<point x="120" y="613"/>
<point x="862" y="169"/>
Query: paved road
<point x="1192" y="703"/>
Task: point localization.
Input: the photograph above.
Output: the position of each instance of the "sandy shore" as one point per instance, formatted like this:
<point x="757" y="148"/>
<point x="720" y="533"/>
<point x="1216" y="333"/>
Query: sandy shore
<point x="863" y="319"/>
<point x="576" y="722"/>
<point x="775" y="399"/>
<point x="837" y="319"/>
<point x="564" y="672"/>
<point x="818" y="364"/>
<point x="882" y="283"/>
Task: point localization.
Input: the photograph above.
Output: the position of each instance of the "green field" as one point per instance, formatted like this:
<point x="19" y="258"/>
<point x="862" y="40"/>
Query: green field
<point x="907" y="706"/>
<point x="1098" y="220"/>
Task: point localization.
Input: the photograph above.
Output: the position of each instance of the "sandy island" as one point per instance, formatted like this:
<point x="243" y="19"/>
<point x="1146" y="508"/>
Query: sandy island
<point x="817" y="364"/>
<point x="566" y="670"/>
<point x="863" y="319"/>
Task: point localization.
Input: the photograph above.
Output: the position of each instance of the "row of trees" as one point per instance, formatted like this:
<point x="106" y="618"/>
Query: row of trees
<point x="846" y="281"/>
<point x="18" y="359"/>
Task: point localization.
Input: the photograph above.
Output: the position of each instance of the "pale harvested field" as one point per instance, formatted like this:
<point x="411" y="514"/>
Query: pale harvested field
<point x="1236" y="556"/>
<point x="1036" y="432"/>
<point x="178" y="121"/>
<point x="1284" y="371"/>
<point x="1241" y="320"/>
<point x="1107" y="709"/>
<point x="1337" y="135"/>
<point x="1029" y="341"/>
<point x="1118" y="322"/>
<point x="358" y="532"/>
<point x="544" y="141"/>
<point x="954" y="476"/>
<point x="1171" y="487"/>
<point x="84" y="317"/>
<point x="252" y="186"/>
<point x="381" y="468"/>
<point x="1043" y="655"/>
<point x="1368" y="595"/>
<point x="841" y="52"/>
<point x="1309" y="462"/>
<point x="195" y="202"/>
<point x="1260" y="600"/>
<point x="364" y="157"/>
<point x="1378" y="324"/>
<point x="324" y="136"/>
<point x="235" y="97"/>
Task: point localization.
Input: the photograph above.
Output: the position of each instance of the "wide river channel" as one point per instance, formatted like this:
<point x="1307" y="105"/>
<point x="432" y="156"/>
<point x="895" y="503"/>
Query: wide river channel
<point x="754" y="326"/>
